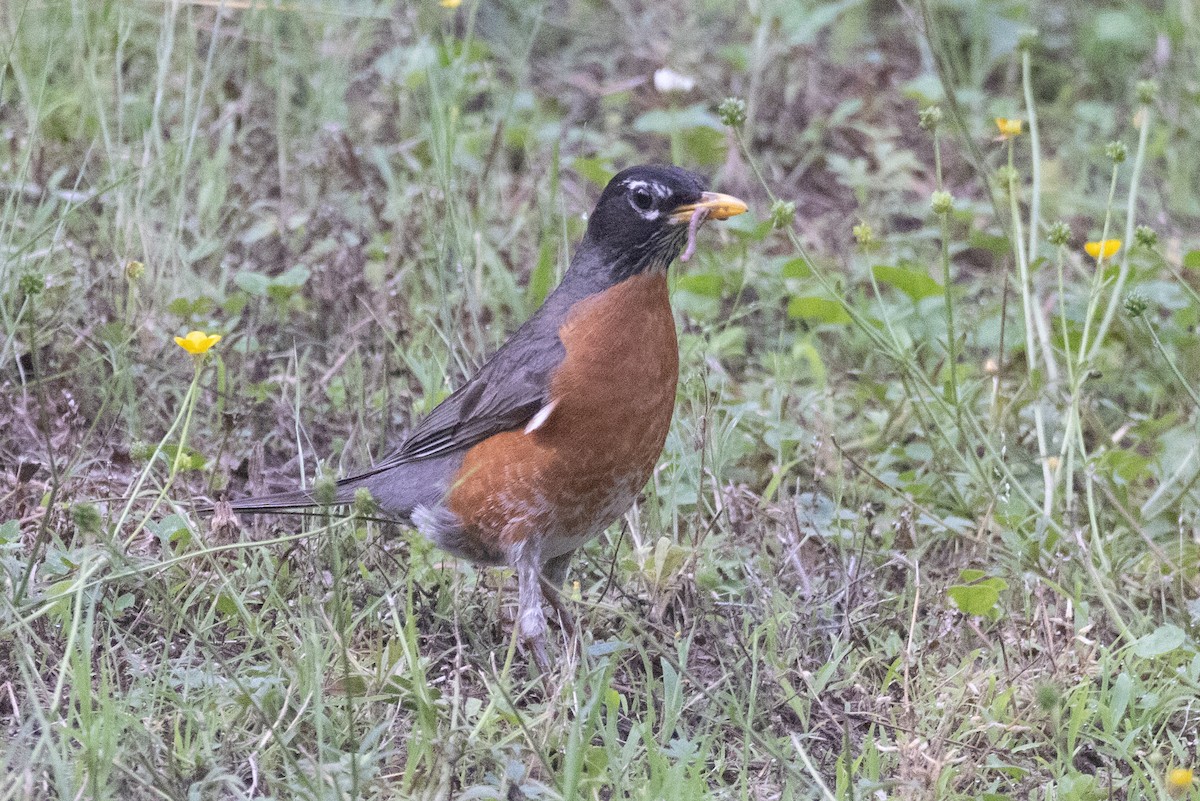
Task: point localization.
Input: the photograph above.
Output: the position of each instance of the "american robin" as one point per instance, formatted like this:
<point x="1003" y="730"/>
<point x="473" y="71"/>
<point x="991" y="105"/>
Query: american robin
<point x="554" y="437"/>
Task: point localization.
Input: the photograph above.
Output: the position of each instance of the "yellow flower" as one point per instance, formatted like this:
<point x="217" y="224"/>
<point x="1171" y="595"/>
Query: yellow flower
<point x="1105" y="249"/>
<point x="1179" y="781"/>
<point x="197" y="342"/>
<point x="451" y="3"/>
<point x="1008" y="128"/>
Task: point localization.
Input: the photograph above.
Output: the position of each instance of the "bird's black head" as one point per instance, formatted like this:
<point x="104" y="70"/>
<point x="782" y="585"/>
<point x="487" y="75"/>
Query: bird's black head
<point x="642" y="219"/>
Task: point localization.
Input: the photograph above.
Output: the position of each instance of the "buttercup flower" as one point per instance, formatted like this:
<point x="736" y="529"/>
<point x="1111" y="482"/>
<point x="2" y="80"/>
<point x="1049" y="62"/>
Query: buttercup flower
<point x="1104" y="249"/>
<point x="1008" y="128"/>
<point x="1179" y="781"/>
<point x="197" y="342"/>
<point x="451" y="3"/>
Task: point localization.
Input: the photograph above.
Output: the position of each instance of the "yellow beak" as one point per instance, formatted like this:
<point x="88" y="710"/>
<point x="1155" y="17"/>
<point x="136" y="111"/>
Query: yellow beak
<point x="720" y="207"/>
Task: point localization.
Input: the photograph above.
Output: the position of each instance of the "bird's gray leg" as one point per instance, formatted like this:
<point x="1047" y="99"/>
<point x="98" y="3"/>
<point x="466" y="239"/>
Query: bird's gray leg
<point x="531" y="619"/>
<point x="554" y="573"/>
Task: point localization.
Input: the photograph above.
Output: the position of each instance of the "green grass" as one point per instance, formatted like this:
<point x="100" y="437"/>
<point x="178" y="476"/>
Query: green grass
<point x="904" y="542"/>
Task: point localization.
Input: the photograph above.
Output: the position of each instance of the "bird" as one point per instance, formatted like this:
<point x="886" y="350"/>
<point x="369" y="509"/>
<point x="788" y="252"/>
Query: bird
<point x="555" y="436"/>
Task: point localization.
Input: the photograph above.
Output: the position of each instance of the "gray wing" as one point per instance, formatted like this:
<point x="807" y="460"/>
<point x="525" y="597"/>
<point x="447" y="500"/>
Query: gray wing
<point x="506" y="392"/>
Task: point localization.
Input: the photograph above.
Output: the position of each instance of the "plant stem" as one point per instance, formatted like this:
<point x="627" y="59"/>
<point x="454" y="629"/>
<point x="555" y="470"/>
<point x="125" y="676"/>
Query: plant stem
<point x="1085" y="354"/>
<point x="951" y="333"/>
<point x="1035" y="220"/>
<point x="1066" y="454"/>
<point x="1027" y="305"/>
<point x="1130" y="212"/>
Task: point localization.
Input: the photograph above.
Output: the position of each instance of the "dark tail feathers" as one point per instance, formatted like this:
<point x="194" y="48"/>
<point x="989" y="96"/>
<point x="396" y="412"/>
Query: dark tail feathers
<point x="295" y="501"/>
<point x="397" y="489"/>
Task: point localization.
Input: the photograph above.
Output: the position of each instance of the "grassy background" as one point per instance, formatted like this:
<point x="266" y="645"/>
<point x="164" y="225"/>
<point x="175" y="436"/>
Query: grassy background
<point x="889" y="552"/>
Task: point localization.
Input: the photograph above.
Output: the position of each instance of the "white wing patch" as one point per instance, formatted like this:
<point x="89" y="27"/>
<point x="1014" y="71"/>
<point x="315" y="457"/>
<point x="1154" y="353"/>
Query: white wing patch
<point x="539" y="419"/>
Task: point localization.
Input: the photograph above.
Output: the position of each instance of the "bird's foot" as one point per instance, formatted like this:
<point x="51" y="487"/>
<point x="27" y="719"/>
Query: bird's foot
<point x="531" y="625"/>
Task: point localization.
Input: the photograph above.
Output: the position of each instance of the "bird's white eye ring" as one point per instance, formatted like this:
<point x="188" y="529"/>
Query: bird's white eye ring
<point x="642" y="199"/>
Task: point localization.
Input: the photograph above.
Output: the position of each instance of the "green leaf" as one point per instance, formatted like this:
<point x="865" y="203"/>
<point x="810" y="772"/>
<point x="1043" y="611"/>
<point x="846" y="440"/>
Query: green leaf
<point x="1127" y="465"/>
<point x="1192" y="260"/>
<point x="977" y="595"/>
<point x="992" y="243"/>
<point x="821" y="310"/>
<point x="709" y="285"/>
<point x="925" y="89"/>
<point x="729" y="343"/>
<point x="670" y="121"/>
<point x="806" y="21"/>
<point x="1163" y="640"/>
<point x="187" y="308"/>
<point x="203" y="249"/>
<point x="804" y="351"/>
<point x="1122" y="691"/>
<point x="293" y="278"/>
<point x="912" y="281"/>
<point x="668" y="558"/>
<point x="598" y="171"/>
<point x="226" y="604"/>
<point x="252" y="282"/>
<point x="796" y="268"/>
<point x="260" y="230"/>
<point x="1120" y="28"/>
<point x="974" y="599"/>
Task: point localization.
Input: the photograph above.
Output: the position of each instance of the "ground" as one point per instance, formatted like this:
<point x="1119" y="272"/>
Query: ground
<point x="926" y="521"/>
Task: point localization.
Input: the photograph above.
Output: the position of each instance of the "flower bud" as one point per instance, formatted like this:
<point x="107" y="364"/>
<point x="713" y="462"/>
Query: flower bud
<point x="324" y="491"/>
<point x="863" y="235"/>
<point x="1136" y="305"/>
<point x="929" y="118"/>
<point x="732" y="112"/>
<point x="364" y="503"/>
<point x="1059" y="234"/>
<point x="32" y="283"/>
<point x="1147" y="92"/>
<point x="782" y="213"/>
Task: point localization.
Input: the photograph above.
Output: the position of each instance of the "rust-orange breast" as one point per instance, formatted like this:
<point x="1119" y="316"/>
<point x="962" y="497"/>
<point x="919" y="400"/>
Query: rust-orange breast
<point x="613" y="396"/>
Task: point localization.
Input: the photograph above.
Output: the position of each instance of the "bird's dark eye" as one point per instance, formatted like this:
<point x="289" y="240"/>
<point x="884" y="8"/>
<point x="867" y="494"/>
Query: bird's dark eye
<point x="643" y="199"/>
